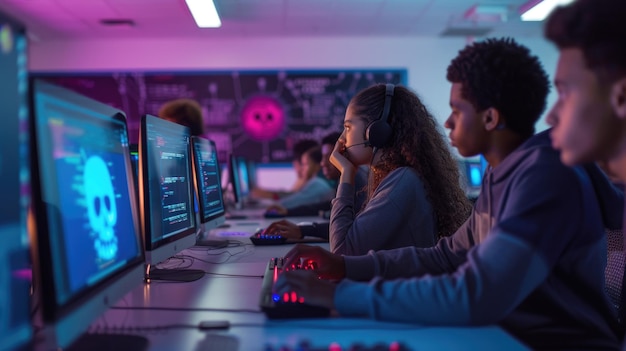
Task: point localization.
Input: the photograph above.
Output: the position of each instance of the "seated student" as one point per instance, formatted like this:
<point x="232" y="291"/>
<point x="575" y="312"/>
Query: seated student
<point x="331" y="173"/>
<point x="415" y="196"/>
<point x="299" y="148"/>
<point x="530" y="257"/>
<point x="315" y="188"/>
<point x="186" y="112"/>
<point x="317" y="229"/>
<point x="589" y="117"/>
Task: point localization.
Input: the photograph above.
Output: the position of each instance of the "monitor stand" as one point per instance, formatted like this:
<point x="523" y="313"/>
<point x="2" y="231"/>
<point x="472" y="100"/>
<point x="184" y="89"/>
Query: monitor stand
<point x="212" y="243"/>
<point x="106" y="342"/>
<point x="235" y="216"/>
<point x="173" y="274"/>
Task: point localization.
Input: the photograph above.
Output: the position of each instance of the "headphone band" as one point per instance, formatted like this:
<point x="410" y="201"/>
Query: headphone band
<point x="387" y="106"/>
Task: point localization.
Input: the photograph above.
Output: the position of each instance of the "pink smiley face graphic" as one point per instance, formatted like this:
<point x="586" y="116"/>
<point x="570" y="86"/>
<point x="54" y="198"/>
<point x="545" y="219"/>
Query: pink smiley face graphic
<point x="263" y="118"/>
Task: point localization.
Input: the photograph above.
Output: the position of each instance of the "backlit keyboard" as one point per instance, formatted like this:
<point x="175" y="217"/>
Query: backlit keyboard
<point x="288" y="305"/>
<point x="306" y="346"/>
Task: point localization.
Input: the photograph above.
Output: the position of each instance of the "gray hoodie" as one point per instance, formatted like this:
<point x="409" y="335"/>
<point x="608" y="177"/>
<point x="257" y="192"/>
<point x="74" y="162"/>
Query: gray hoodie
<point x="531" y="258"/>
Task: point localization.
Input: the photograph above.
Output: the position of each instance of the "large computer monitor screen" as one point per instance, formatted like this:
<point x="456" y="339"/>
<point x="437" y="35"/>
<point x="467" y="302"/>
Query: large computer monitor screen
<point x="86" y="243"/>
<point x="473" y="170"/>
<point x="15" y="326"/>
<point x="207" y="180"/>
<point x="244" y="177"/>
<point x="252" y="181"/>
<point x="165" y="177"/>
<point x="234" y="180"/>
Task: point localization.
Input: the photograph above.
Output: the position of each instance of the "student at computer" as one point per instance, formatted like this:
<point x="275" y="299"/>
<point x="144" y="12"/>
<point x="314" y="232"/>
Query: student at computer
<point x="414" y="195"/>
<point x="316" y="188"/>
<point x="530" y="257"/>
<point x="318" y="229"/>
<point x="331" y="173"/>
<point x="589" y="117"/>
<point x="299" y="148"/>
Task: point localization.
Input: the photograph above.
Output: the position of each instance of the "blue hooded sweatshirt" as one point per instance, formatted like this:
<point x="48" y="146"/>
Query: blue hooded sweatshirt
<point x="530" y="258"/>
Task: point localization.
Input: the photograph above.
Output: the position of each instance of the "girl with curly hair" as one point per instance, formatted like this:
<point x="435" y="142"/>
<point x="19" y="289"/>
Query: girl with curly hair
<point x="414" y="195"/>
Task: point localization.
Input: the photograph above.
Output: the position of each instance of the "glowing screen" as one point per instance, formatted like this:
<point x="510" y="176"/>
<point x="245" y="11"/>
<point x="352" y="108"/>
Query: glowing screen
<point x="86" y="189"/>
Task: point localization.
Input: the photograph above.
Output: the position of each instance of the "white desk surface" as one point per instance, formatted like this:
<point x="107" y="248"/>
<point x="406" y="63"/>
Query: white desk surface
<point x="250" y="330"/>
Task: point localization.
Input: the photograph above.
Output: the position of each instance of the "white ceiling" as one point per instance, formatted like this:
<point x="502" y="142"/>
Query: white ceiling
<point x="62" y="19"/>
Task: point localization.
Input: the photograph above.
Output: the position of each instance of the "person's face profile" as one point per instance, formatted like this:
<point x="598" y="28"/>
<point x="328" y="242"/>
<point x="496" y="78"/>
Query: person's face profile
<point x="297" y="166"/>
<point x="585" y="127"/>
<point x="309" y="167"/>
<point x="465" y="124"/>
<point x="354" y="137"/>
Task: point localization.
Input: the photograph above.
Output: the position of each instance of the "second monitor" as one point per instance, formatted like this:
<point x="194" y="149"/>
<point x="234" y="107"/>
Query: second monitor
<point x="165" y="192"/>
<point x="208" y="189"/>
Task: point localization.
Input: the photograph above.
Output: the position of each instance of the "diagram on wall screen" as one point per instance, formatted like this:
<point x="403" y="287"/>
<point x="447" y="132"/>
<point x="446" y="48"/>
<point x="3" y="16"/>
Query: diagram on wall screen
<point x="255" y="114"/>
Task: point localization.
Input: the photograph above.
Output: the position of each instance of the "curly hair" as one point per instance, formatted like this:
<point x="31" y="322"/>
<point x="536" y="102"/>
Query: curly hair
<point x="186" y="112"/>
<point x="502" y="74"/>
<point x="595" y="27"/>
<point x="418" y="143"/>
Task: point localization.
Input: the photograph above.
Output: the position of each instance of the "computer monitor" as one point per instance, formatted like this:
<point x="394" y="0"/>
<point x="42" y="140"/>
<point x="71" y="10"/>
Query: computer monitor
<point x="252" y="181"/>
<point x="207" y="182"/>
<point x="133" y="149"/>
<point x="244" y="177"/>
<point x="166" y="195"/>
<point x="235" y="181"/>
<point x="85" y="242"/>
<point x="473" y="171"/>
<point x="15" y="325"/>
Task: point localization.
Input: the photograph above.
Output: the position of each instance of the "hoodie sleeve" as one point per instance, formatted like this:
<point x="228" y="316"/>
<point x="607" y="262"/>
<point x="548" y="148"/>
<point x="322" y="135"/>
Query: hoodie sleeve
<point x="445" y="257"/>
<point x="397" y="215"/>
<point x="509" y="264"/>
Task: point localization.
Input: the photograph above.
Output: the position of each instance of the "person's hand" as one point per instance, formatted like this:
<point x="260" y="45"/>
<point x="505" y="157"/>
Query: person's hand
<point x="340" y="161"/>
<point x="277" y="209"/>
<point x="284" y="228"/>
<point x="326" y="265"/>
<point x="307" y="287"/>
<point x="258" y="193"/>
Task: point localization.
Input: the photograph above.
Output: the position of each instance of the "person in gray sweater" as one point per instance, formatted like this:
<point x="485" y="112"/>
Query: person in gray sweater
<point x="414" y="194"/>
<point x="530" y="257"/>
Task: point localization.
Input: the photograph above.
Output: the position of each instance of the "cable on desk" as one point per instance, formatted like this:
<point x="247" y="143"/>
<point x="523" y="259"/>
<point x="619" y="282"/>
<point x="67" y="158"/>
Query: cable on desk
<point x="224" y="251"/>
<point x="184" y="309"/>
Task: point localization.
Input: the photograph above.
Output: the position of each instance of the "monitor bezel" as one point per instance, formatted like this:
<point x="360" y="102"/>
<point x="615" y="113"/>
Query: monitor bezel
<point x="242" y="166"/>
<point x="165" y="247"/>
<point x="234" y="180"/>
<point x="17" y="335"/>
<point x="197" y="175"/>
<point x="92" y="300"/>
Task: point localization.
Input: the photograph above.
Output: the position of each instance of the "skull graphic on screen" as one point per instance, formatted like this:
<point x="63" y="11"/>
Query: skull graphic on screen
<point x="101" y="207"/>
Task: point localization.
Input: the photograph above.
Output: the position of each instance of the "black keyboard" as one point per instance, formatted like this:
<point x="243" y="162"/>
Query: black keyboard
<point x="306" y="346"/>
<point x="258" y="238"/>
<point x="289" y="305"/>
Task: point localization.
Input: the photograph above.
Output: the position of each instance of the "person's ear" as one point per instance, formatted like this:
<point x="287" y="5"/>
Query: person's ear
<point x="618" y="98"/>
<point x="492" y="119"/>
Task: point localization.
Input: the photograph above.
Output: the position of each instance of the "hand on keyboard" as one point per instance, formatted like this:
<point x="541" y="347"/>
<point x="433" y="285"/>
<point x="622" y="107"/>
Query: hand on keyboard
<point x="325" y="264"/>
<point x="285" y="228"/>
<point x="308" y="288"/>
<point x="286" y="304"/>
